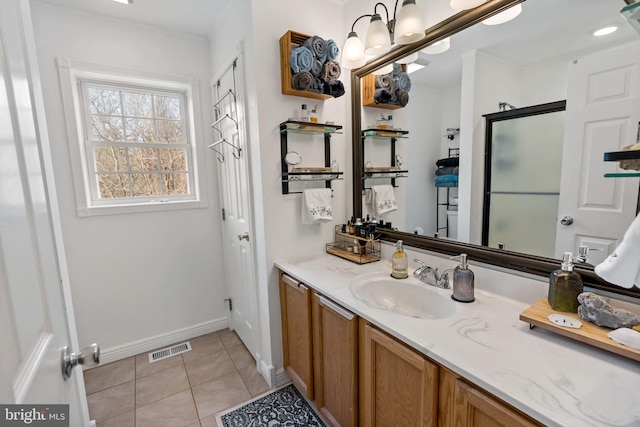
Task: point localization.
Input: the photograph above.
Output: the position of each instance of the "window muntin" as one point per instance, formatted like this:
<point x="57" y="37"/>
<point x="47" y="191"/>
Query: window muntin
<point x="137" y="144"/>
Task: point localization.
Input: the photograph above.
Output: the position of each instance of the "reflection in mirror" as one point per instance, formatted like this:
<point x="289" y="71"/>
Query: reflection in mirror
<point x="548" y="53"/>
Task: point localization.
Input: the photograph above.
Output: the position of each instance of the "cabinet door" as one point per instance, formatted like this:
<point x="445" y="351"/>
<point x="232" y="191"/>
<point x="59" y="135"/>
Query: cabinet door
<point x="398" y="386"/>
<point x="295" y="308"/>
<point x="474" y="408"/>
<point x="335" y="346"/>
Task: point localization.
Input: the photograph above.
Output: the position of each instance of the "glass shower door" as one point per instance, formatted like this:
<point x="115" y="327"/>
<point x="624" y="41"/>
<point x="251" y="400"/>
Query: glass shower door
<point x="522" y="178"/>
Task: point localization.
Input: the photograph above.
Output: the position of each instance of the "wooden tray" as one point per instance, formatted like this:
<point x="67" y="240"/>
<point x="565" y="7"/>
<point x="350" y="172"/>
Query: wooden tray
<point x="591" y="334"/>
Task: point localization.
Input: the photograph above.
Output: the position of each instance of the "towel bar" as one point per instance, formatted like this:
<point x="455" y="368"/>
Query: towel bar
<point x="221" y="155"/>
<point x="226" y="116"/>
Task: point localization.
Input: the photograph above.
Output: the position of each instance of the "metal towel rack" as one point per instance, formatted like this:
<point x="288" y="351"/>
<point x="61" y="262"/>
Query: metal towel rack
<point x="237" y="151"/>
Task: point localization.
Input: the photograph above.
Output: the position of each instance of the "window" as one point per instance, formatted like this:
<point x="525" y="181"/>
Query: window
<point x="136" y="144"/>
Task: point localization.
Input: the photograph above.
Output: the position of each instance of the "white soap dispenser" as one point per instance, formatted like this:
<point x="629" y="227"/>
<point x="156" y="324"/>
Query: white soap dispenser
<point x="463" y="279"/>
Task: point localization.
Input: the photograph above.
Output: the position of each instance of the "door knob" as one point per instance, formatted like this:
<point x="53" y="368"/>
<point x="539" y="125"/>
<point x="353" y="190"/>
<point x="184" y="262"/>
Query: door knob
<point x="89" y="356"/>
<point x="243" y="236"/>
<point x="566" y="220"/>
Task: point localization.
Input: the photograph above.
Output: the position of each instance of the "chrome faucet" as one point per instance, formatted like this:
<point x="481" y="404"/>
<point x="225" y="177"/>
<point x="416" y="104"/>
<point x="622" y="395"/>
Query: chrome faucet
<point x="430" y="276"/>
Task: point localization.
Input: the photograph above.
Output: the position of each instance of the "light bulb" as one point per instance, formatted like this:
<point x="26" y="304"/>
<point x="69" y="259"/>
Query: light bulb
<point x="438" y="47"/>
<point x="378" y="40"/>
<point x="409" y="25"/>
<point x="504" y="16"/>
<point x="353" y="52"/>
<point x="465" y="4"/>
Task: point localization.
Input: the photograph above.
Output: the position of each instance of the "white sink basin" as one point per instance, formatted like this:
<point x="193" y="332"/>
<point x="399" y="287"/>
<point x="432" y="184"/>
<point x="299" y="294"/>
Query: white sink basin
<point x="407" y="297"/>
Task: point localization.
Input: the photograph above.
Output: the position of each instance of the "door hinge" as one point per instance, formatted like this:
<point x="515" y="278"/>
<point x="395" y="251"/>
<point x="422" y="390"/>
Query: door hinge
<point x="223" y="214"/>
<point x="230" y="303"/>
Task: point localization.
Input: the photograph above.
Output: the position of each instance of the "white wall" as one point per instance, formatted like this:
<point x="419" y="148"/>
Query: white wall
<point x="135" y="278"/>
<point x="284" y="236"/>
<point x="423" y="150"/>
<point x="486" y="81"/>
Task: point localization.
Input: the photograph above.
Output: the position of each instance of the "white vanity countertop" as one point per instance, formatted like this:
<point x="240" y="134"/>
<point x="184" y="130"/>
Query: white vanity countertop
<point x="556" y="380"/>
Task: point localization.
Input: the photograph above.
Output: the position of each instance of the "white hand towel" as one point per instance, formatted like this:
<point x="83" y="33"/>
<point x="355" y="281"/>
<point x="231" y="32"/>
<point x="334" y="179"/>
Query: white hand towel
<point x="316" y="205"/>
<point x="622" y="267"/>
<point x="384" y="198"/>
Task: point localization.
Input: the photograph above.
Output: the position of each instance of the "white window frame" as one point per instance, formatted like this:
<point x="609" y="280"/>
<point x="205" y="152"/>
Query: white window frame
<point x="88" y="203"/>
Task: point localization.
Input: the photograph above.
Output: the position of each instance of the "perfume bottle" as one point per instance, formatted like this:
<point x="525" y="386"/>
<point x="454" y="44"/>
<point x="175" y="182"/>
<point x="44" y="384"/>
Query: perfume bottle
<point x="564" y="286"/>
<point x="304" y="113"/>
<point x="399" y="262"/>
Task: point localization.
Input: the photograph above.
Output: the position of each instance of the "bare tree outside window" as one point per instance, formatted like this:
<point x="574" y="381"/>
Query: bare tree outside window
<point x="137" y="142"/>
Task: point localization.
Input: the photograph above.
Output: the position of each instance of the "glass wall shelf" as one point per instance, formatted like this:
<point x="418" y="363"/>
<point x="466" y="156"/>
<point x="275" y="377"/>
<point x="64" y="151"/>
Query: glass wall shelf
<point x="384" y="133"/>
<point x="293" y="126"/>
<point x="386" y="174"/>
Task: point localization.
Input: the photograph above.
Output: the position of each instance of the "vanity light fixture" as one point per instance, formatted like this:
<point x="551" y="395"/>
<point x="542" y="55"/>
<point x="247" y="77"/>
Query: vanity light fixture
<point x="408" y="59"/>
<point x="124" y="1"/>
<point x="438" y="47"/>
<point x="419" y="63"/>
<point x="465" y="4"/>
<point x="406" y="28"/>
<point x="605" y="30"/>
<point x="504" y="16"/>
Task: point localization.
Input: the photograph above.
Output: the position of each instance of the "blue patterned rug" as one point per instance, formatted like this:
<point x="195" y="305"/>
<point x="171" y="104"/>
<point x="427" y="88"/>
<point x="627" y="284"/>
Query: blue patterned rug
<point x="284" y="407"/>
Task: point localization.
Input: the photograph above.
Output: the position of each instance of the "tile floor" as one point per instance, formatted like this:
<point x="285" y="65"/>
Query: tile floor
<point x="186" y="390"/>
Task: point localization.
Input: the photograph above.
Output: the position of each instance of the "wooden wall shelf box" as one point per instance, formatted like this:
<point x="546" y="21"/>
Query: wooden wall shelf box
<point x="286" y="41"/>
<point x="369" y="89"/>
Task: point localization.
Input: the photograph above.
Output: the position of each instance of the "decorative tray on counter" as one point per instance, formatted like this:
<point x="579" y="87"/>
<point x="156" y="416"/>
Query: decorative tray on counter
<point x="344" y="243"/>
<point x="589" y="333"/>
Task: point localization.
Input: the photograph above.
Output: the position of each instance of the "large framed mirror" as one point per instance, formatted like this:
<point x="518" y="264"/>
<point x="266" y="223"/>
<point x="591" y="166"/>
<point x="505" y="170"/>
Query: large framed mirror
<point x="490" y="70"/>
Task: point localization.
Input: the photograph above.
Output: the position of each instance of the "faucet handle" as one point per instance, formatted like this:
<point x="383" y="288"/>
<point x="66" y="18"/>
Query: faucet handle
<point x="422" y="264"/>
<point x="444" y="279"/>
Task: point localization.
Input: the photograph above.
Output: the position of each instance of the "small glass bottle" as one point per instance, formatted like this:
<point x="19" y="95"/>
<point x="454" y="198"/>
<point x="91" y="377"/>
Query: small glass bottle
<point x="304" y="113"/>
<point x="399" y="263"/>
<point x="564" y="286"/>
<point x="313" y="116"/>
<point x="335" y="168"/>
<point x="358" y="226"/>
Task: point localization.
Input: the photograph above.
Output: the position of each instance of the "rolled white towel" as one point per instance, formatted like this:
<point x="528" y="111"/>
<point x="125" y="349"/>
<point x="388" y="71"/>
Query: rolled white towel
<point x="622" y="267"/>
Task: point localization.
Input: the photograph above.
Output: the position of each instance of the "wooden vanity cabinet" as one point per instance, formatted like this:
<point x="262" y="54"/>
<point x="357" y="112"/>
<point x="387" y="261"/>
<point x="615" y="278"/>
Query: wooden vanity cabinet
<point x="464" y="405"/>
<point x="398" y="385"/>
<point x="355" y="374"/>
<point x="295" y="309"/>
<point x="335" y="349"/>
<point x="320" y="346"/>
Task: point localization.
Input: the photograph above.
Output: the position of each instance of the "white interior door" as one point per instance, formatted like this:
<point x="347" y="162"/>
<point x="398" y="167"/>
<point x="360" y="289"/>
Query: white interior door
<point x="603" y="111"/>
<point x="36" y="320"/>
<point x="233" y="174"/>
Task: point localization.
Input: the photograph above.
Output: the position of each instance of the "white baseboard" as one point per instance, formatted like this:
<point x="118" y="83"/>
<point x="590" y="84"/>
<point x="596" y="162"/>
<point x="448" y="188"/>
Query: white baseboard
<point x="282" y="377"/>
<point x="151" y="343"/>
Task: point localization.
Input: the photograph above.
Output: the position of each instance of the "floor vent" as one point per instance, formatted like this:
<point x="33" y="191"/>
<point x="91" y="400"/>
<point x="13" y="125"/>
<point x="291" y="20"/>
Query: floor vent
<point x="169" y="352"/>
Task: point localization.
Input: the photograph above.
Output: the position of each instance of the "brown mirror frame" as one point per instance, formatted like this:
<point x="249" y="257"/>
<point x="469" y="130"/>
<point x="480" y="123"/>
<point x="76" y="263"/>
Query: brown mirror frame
<point x="535" y="265"/>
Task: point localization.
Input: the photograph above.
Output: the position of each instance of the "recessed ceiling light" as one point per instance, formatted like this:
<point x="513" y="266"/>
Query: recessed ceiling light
<point x="605" y="30"/>
<point x="124" y="1"/>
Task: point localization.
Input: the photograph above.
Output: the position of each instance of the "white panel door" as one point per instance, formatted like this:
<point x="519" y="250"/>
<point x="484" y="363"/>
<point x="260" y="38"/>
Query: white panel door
<point x="36" y="318"/>
<point x="603" y="111"/>
<point x="233" y="176"/>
